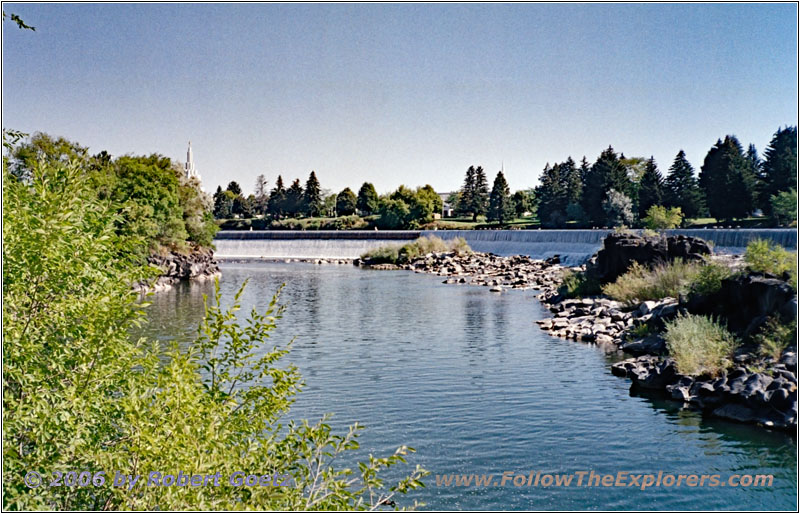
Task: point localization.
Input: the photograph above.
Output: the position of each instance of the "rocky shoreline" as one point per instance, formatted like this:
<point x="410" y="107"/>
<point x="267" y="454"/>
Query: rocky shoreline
<point x="197" y="265"/>
<point x="755" y="390"/>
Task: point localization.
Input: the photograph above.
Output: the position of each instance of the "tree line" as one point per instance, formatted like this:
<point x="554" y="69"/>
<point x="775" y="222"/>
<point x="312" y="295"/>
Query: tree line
<point x="733" y="183"/>
<point x="403" y="208"/>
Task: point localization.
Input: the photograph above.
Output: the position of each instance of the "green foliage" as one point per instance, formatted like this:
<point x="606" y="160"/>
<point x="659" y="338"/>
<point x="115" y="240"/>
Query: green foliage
<point x="780" y="166"/>
<point x="402" y="254"/>
<point x="276" y="204"/>
<point x="367" y="199"/>
<point x="352" y="222"/>
<point x="660" y="217"/>
<point x="501" y="208"/>
<point x="775" y="337"/>
<point x="293" y="205"/>
<point x="79" y="395"/>
<point x="346" y="202"/>
<point x="728" y="180"/>
<point x="764" y="256"/>
<point x="312" y="197"/>
<point x="408" y="209"/>
<point x="651" y="188"/>
<point x="708" y="279"/>
<point x="606" y="174"/>
<point x="682" y="188"/>
<point x="699" y="345"/>
<point x="784" y="207"/>
<point x="157" y="203"/>
<point x="641" y="283"/>
<point x="577" y="285"/>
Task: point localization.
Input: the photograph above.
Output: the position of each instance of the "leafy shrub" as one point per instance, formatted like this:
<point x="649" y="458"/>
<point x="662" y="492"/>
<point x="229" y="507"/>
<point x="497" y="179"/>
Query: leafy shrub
<point x="618" y="208"/>
<point x="775" y="337"/>
<point x="79" y="395"/>
<point x="577" y="285"/>
<point x="401" y="254"/>
<point x="765" y="257"/>
<point x="699" y="345"/>
<point x="709" y="278"/>
<point x="641" y="283"/>
<point x="784" y="207"/>
<point x="660" y="217"/>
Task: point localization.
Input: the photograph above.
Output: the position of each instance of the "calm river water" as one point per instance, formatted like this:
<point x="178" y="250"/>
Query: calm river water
<point x="465" y="377"/>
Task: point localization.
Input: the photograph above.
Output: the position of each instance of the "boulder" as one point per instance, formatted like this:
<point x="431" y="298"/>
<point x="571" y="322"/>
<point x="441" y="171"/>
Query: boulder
<point x="650" y="345"/>
<point x="621" y="250"/>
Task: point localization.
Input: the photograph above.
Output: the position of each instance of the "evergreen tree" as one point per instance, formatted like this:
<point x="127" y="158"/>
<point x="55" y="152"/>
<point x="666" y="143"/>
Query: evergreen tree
<point x="726" y="180"/>
<point x="294" y="199"/>
<point x="606" y="173"/>
<point x="467" y="196"/>
<point x="346" y="202"/>
<point x="234" y="188"/>
<point x="277" y="199"/>
<point x="573" y="183"/>
<point x="367" y="199"/>
<point x="650" y="188"/>
<point x="480" y="198"/>
<point x="681" y="188"/>
<point x="552" y="197"/>
<point x="501" y="207"/>
<point x="780" y="166"/>
<point x="312" y="197"/>
<point x="223" y="204"/>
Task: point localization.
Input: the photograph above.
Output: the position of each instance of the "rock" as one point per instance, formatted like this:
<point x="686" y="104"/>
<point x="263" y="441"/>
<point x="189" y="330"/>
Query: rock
<point x="496" y="289"/>
<point x="745" y="301"/>
<point x="646" y="307"/>
<point x="650" y="345"/>
<point x="199" y="264"/>
<point x="789" y="359"/>
<point x="620" y="251"/>
<point x="735" y="412"/>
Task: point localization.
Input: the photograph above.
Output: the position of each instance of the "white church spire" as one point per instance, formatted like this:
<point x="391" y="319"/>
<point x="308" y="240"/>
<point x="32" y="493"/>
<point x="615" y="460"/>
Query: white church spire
<point x="189" y="166"/>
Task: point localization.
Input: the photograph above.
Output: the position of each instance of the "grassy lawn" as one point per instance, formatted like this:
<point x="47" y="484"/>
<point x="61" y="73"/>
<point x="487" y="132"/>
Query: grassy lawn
<point x="762" y="222"/>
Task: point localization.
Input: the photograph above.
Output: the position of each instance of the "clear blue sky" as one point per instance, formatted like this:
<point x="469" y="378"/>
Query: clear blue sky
<point x="395" y="94"/>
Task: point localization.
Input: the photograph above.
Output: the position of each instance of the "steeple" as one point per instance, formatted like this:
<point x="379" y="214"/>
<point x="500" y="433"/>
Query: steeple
<point x="189" y="168"/>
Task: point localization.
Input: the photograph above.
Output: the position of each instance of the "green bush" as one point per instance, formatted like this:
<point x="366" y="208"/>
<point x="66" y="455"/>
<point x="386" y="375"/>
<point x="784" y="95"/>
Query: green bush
<point x="699" y="345"/>
<point x="763" y="256"/>
<point x="80" y="395"/>
<point x="660" y="217"/>
<point x="401" y="254"/>
<point x="775" y="337"/>
<point x="641" y="283"/>
<point x="577" y="285"/>
<point x="784" y="207"/>
<point x="709" y="278"/>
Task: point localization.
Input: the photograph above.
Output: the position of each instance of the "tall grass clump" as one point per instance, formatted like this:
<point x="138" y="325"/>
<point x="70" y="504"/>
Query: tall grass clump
<point x="576" y="284"/>
<point x="699" y="345"/>
<point x="776" y="337"/>
<point x="641" y="283"/>
<point x="763" y="256"/>
<point x="402" y="254"/>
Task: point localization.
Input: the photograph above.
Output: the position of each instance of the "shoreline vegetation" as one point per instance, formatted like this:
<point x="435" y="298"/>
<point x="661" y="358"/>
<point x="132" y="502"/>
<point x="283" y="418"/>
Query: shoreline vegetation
<point x="717" y="333"/>
<point x="735" y="188"/>
<point x="80" y="395"/>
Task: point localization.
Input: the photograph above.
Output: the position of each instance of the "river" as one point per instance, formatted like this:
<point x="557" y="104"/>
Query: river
<point x="465" y="377"/>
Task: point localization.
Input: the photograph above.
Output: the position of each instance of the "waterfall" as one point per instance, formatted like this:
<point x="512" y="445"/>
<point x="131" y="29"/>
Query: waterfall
<point x="574" y="246"/>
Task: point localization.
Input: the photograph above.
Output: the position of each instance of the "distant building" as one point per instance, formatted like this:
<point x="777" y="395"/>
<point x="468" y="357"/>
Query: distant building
<point x="448" y="211"/>
<point x="188" y="168"/>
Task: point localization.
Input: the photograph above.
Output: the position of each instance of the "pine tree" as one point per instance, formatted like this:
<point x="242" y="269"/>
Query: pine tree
<point x="277" y="199"/>
<point x="780" y="166"/>
<point x="367" y="199"/>
<point x="650" y="188"/>
<point x="501" y="207"/>
<point x="681" y="188"/>
<point x="234" y="188"/>
<point x="573" y="183"/>
<point x="294" y="199"/>
<point x="606" y="173"/>
<point x="312" y="197"/>
<point x="261" y="187"/>
<point x="552" y="196"/>
<point x="465" y="202"/>
<point x="480" y="198"/>
<point x="726" y="180"/>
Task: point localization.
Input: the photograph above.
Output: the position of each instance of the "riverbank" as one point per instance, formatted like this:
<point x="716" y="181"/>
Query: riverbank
<point x="755" y="389"/>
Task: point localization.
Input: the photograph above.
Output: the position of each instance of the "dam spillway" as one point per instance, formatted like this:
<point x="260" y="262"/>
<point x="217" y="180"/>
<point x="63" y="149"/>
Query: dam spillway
<point x="574" y="246"/>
